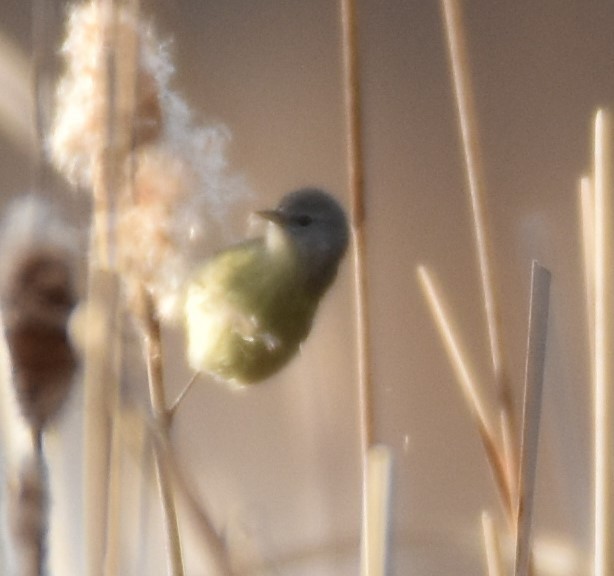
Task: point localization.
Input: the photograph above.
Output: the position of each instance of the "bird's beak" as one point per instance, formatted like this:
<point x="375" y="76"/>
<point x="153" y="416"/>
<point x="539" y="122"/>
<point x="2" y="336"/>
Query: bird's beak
<point x="272" y="216"/>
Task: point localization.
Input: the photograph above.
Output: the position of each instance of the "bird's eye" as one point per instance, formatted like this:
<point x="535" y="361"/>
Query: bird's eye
<point x="304" y="220"/>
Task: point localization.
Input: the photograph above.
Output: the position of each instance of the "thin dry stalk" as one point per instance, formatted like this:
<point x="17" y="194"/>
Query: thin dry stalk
<point x="492" y="546"/>
<point x="101" y="377"/>
<point x="379" y="468"/>
<point x="122" y="81"/>
<point x="215" y="549"/>
<point x="40" y="51"/>
<point x="604" y="326"/>
<point x="155" y="374"/>
<point x="534" y="380"/>
<point x="355" y="166"/>
<point x="113" y="537"/>
<point x="468" y="386"/>
<point x="508" y="445"/>
<point x="172" y="409"/>
<point x="16" y="98"/>
<point x="28" y="511"/>
<point x="101" y="359"/>
<point x="105" y="169"/>
<point x="41" y="533"/>
<point x="587" y="225"/>
<point x="137" y="432"/>
<point x="475" y="176"/>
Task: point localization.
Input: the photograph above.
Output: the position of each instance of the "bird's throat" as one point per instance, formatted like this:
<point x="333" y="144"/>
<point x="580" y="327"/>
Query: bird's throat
<point x="277" y="241"/>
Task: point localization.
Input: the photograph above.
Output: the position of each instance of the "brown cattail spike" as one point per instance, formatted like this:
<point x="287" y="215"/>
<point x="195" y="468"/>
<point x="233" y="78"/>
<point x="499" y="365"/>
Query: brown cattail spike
<point x="37" y="297"/>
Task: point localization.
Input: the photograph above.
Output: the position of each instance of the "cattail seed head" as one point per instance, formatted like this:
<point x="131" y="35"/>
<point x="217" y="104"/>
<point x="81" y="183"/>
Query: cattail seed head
<point x="174" y="187"/>
<point x="80" y="131"/>
<point x="37" y="296"/>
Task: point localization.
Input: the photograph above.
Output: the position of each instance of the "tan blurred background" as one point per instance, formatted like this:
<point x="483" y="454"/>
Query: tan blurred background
<point x="279" y="465"/>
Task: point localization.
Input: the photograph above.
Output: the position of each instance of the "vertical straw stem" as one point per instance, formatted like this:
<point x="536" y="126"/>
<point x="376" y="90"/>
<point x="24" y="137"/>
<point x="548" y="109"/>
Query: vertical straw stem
<point x="100" y="392"/>
<point x="105" y="164"/>
<point x="40" y="78"/>
<point x="355" y="167"/>
<point x="379" y="469"/>
<point x="40" y="543"/>
<point x="155" y="374"/>
<point x="113" y="534"/>
<point x="102" y="353"/>
<point x="531" y="416"/>
<point x="604" y="325"/>
<point x="587" y="224"/>
<point x="214" y="546"/>
<point x="475" y="175"/>
<point x="492" y="546"/>
<point x="356" y="188"/>
<point x="122" y="87"/>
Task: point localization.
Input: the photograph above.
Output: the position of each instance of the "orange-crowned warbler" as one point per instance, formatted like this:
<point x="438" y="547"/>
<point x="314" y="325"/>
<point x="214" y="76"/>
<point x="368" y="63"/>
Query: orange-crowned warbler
<point x="248" y="308"/>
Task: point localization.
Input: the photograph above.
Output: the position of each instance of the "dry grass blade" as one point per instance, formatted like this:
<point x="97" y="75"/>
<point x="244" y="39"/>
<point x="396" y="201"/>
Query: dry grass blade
<point x="604" y="327"/>
<point x="468" y="387"/>
<point x="534" y="379"/>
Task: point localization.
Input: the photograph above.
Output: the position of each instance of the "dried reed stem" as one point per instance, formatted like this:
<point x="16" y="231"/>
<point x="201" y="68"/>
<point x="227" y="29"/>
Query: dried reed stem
<point x="113" y="538"/>
<point x="138" y="432"/>
<point x="102" y="359"/>
<point x="100" y="388"/>
<point x="214" y="546"/>
<point x="379" y="469"/>
<point x="492" y="547"/>
<point x="16" y="97"/>
<point x="40" y="534"/>
<point x="508" y="445"/>
<point x="468" y="386"/>
<point x="42" y="102"/>
<point x="157" y="394"/>
<point x="587" y="225"/>
<point x="604" y="326"/>
<point x="475" y="176"/>
<point x="534" y="380"/>
<point x="355" y="166"/>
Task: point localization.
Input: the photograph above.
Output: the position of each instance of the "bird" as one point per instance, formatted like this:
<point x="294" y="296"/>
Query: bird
<point x="248" y="309"/>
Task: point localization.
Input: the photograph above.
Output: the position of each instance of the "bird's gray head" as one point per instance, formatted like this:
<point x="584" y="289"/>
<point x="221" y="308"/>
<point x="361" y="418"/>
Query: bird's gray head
<point x="317" y="227"/>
